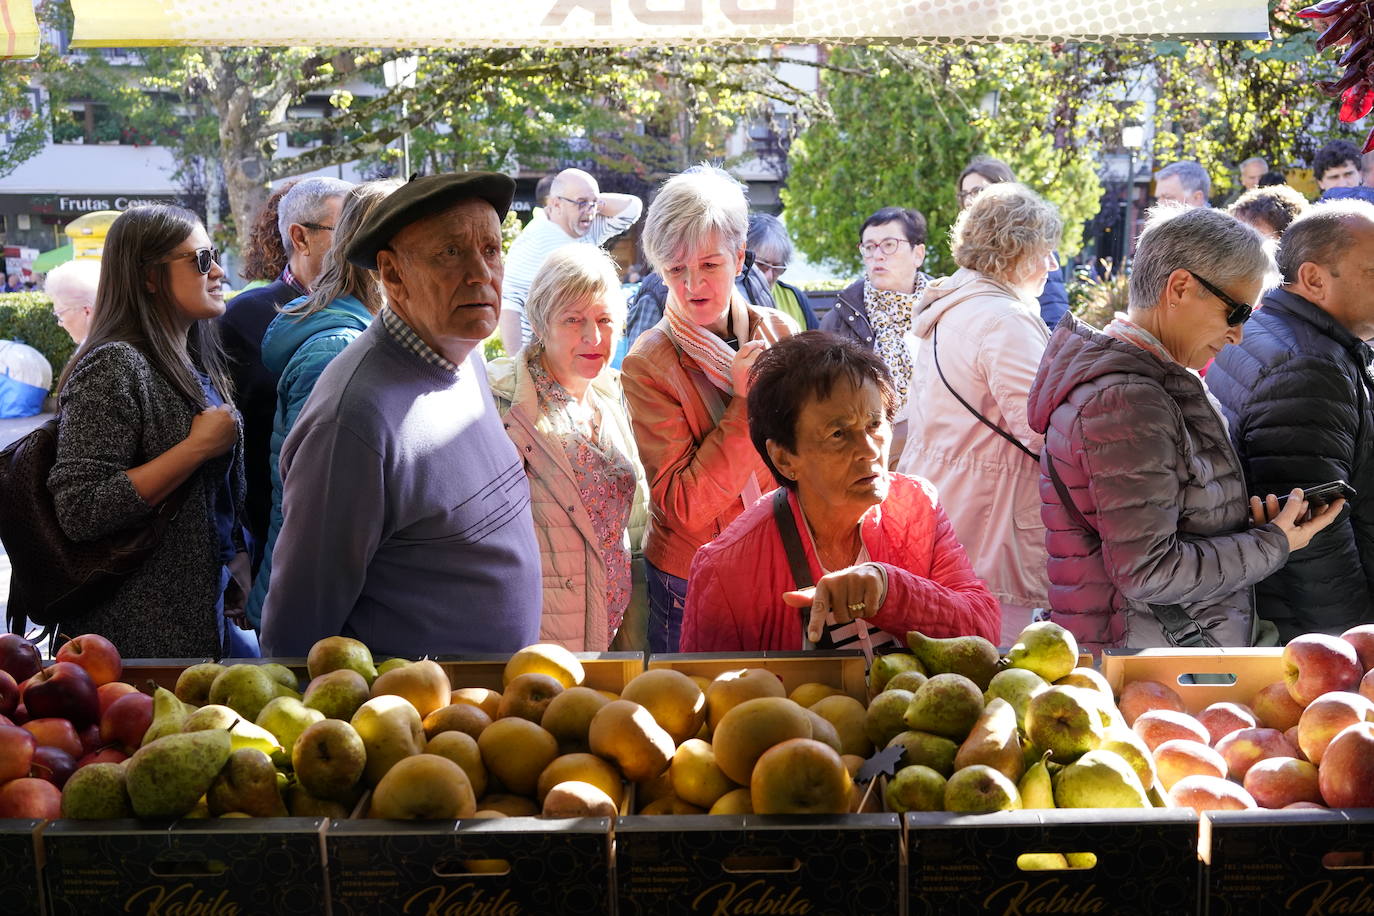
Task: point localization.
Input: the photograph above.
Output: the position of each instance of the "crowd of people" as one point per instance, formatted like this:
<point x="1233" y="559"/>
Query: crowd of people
<point x="754" y="476"/>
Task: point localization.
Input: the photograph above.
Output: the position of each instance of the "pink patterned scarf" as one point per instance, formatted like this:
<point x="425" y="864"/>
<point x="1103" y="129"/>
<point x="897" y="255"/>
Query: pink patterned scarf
<point x="712" y="354"/>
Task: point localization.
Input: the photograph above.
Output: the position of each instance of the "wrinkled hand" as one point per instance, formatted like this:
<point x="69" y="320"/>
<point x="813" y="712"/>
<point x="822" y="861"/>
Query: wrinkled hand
<point x="1293" y="519"/>
<point x="858" y="591"/>
<point x="744" y="362"/>
<point x="214" y="430"/>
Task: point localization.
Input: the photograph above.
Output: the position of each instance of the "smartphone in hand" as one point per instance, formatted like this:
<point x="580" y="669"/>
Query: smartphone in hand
<point x="1326" y="493"/>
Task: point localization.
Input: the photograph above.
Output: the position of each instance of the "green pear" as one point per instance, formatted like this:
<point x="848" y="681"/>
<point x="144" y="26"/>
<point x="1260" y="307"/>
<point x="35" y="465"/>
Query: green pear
<point x="946" y="704"/>
<point x="246" y="689"/>
<point x="1087" y="678"/>
<point x="883" y="719"/>
<point x="282" y="675"/>
<point x="391" y="664"/>
<point x="1016" y="686"/>
<point x="910" y="681"/>
<point x="193" y="684"/>
<point x="1099" y="779"/>
<point x="1036" y="787"/>
<point x="337" y="694"/>
<point x="885" y="666"/>
<point x="247" y="783"/>
<point x="286" y="718"/>
<point x="1064" y="721"/>
<point x="167" y="778"/>
<point x="169" y="716"/>
<point x="1132" y="748"/>
<point x="980" y="789"/>
<point x="242" y="732"/>
<point x="97" y="791"/>
<point x="335" y="652"/>
<point x="329" y="759"/>
<point x="994" y="741"/>
<point x="972" y="656"/>
<point x="925" y="749"/>
<point x="1045" y="648"/>
<point x="916" y="788"/>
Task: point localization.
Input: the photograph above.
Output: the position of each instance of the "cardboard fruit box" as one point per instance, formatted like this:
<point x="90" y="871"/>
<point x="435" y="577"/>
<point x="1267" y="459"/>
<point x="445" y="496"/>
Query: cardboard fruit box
<point x="20" y="882"/>
<point x="1248" y="669"/>
<point x="841" y="669"/>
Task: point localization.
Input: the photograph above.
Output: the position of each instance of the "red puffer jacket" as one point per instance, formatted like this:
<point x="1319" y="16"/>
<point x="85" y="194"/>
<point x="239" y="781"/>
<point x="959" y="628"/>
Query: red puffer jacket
<point x="734" y="596"/>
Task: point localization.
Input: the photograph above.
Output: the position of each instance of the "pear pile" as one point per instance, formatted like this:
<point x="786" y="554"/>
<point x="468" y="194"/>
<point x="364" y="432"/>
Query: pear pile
<point x="983" y="733"/>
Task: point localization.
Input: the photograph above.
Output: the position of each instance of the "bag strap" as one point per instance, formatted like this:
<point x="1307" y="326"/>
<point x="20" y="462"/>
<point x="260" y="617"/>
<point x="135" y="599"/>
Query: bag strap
<point x="796" y="559"/>
<point x="935" y="350"/>
<point x="1180" y="629"/>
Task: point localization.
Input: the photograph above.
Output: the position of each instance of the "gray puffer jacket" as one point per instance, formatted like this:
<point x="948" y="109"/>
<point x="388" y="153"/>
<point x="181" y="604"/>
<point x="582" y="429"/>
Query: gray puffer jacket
<point x="1147" y="460"/>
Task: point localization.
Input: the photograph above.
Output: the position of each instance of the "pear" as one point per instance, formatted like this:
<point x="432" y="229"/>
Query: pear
<point x="1045" y="648"/>
<point x="391" y="664"/>
<point x="282" y="675"/>
<point x="947" y="704"/>
<point x="335" y="652"/>
<point x="286" y="718"/>
<point x="885" y="667"/>
<point x="916" y="788"/>
<point x="980" y="789"/>
<point x="1017" y="686"/>
<point x="1036" y="788"/>
<point x="1132" y="748"/>
<point x="302" y="804"/>
<point x="338" y="693"/>
<point x="1041" y="861"/>
<point x="95" y="792"/>
<point x="972" y="656"/>
<point x="994" y="741"/>
<point x="247" y="783"/>
<point x="391" y="731"/>
<point x="1065" y="721"/>
<point x="244" y="688"/>
<point x="1099" y="779"/>
<point x="925" y="749"/>
<point x="242" y="732"/>
<point x="193" y="684"/>
<point x="169" y="716"/>
<point x="167" y="778"/>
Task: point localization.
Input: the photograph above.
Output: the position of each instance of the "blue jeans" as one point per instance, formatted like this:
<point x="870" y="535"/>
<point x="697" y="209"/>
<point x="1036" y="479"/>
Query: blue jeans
<point x="667" y="598"/>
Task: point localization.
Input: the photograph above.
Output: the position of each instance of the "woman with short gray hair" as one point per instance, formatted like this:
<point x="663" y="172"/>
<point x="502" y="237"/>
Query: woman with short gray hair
<point x="1149" y="538"/>
<point x="773" y="250"/>
<point x="686" y="380"/>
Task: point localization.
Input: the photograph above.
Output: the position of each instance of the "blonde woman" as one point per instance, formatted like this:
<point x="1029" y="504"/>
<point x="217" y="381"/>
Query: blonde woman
<point x="564" y="410"/>
<point x="981" y="338"/>
<point x="302" y="341"/>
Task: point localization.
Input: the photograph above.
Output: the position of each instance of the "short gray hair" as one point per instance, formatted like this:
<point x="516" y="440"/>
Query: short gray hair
<point x="1320" y="235"/>
<point x="1192" y="176"/>
<point x="570" y="276"/>
<point x="305" y="203"/>
<point x="1256" y="160"/>
<point x="1211" y="243"/>
<point x="690" y="208"/>
<point x="73" y="283"/>
<point x="768" y="238"/>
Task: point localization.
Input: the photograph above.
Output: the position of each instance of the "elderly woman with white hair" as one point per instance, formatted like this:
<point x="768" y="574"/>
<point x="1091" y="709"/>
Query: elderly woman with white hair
<point x="1151" y="541"/>
<point x="686" y="380"/>
<point x="564" y="409"/>
<point x="71" y="287"/>
<point x="980" y="337"/>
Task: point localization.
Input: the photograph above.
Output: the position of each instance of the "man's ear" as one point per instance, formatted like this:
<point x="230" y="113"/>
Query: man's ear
<point x="1312" y="278"/>
<point x="388" y="271"/>
<point x="300" y="238"/>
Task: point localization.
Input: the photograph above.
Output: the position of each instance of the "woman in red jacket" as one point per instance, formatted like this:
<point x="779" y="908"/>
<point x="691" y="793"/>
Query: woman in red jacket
<point x="872" y="554"/>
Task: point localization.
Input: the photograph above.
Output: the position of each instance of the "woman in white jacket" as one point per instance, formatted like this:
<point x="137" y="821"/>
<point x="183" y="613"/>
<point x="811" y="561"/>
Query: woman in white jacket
<point x="967" y="432"/>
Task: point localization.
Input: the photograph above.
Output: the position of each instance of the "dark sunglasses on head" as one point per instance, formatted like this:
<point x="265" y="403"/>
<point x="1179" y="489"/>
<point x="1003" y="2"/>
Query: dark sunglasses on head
<point x="1238" y="312"/>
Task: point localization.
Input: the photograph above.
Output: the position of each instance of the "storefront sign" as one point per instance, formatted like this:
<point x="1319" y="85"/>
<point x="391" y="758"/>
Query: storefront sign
<point x="75" y="205"/>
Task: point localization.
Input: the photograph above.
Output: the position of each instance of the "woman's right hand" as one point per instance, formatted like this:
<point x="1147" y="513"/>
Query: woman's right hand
<point x="1289" y="517"/>
<point x="214" y="431"/>
<point x="743" y="363"/>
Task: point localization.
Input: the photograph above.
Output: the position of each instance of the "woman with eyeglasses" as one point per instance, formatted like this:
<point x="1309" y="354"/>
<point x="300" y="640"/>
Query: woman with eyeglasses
<point x="147" y="416"/>
<point x="772" y="250"/>
<point x="876" y="311"/>
<point x="1150" y="537"/>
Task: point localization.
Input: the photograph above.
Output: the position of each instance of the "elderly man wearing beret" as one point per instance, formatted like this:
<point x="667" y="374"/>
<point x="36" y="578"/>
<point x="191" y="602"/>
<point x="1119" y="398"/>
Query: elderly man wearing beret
<point x="406" y="509"/>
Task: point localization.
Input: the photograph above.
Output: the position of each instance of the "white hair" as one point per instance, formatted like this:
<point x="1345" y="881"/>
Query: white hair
<point x="1190" y="175"/>
<point x="305" y="203"/>
<point x="73" y="283"/>
<point x="690" y="209"/>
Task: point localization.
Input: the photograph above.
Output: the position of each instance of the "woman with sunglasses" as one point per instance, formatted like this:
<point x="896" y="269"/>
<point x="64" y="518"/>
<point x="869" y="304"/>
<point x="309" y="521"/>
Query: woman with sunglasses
<point x="146" y="416"/>
<point x="1151" y="541"/>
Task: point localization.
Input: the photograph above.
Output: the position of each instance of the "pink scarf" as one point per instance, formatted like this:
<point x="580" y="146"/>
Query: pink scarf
<point x="712" y="354"/>
<point x="1123" y="329"/>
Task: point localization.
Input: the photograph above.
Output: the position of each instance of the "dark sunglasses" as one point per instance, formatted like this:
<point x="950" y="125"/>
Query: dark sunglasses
<point x="205" y="258"/>
<point x="1239" y="311"/>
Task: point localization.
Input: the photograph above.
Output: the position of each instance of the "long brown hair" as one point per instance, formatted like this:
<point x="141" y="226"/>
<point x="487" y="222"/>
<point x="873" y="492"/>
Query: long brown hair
<point x="338" y="276"/>
<point x="126" y="312"/>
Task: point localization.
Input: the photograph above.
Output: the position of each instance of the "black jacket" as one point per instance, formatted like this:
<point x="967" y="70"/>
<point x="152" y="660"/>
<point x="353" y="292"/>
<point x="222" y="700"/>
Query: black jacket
<point x="1296" y="393"/>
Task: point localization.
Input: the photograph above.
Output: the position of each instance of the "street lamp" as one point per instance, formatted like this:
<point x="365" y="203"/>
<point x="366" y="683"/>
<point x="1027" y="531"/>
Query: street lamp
<point x="1133" y="139"/>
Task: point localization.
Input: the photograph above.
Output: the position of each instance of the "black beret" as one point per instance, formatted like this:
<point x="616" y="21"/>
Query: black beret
<point x="424" y="196"/>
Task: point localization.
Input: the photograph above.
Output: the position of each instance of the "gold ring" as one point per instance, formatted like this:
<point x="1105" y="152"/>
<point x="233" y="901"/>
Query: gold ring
<point x="858" y="607"/>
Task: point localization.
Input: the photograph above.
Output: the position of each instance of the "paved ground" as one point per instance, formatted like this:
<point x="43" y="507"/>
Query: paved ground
<point x="9" y="431"/>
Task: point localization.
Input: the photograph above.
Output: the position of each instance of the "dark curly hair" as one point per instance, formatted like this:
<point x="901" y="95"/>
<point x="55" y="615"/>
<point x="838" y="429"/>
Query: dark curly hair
<point x="1275" y="206"/>
<point x="265" y="257"/>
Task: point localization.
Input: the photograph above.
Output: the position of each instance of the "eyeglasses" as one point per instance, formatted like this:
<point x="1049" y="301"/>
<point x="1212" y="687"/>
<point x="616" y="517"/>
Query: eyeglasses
<point x="966" y="196"/>
<point x="886" y="246"/>
<point x="205" y="258"/>
<point x="318" y="227"/>
<point x="580" y="204"/>
<point x="778" y="269"/>
<point x="1238" y="311"/>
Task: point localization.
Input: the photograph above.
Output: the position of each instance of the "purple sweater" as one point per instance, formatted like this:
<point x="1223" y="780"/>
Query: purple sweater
<point x="406" y="513"/>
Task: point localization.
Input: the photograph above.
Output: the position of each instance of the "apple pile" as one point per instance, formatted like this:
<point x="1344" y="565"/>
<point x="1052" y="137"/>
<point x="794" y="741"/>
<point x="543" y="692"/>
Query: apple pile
<point x="982" y="733"/>
<point x="1306" y="741"/>
<point x="55" y="721"/>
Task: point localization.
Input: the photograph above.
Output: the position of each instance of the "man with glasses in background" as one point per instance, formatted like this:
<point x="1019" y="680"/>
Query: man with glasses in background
<point x="577" y="212"/>
<point x="1296" y="392"/>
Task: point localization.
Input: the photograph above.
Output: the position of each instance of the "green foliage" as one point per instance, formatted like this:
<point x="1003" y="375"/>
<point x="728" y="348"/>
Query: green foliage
<point x="28" y="318"/>
<point x="1097" y="300"/>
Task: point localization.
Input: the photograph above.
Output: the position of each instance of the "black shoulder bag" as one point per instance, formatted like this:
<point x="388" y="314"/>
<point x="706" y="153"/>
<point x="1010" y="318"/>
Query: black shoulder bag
<point x="796" y="559"/>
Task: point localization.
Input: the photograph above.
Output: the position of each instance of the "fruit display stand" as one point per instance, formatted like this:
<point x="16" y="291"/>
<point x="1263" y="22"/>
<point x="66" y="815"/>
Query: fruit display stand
<point x="844" y="671"/>
<point x="20" y="887"/>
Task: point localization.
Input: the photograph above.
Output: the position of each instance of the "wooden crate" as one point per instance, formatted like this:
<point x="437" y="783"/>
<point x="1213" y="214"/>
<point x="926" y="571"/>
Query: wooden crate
<point x="1252" y="669"/>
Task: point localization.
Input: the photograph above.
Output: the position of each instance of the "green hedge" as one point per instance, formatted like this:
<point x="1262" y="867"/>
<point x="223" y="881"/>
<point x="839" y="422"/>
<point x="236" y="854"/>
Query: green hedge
<point x="28" y="318"/>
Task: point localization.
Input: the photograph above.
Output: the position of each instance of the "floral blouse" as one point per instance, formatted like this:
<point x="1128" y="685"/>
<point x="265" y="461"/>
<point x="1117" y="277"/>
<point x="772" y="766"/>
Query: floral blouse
<point x="604" y="474"/>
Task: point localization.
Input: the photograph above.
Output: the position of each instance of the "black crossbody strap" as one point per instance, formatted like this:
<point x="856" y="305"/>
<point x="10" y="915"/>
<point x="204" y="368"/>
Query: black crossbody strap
<point x="796" y="559"/>
<point x="935" y="350"/>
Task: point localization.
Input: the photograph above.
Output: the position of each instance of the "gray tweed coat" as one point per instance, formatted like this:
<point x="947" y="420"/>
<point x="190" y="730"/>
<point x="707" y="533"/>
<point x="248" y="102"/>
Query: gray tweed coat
<point x="117" y="412"/>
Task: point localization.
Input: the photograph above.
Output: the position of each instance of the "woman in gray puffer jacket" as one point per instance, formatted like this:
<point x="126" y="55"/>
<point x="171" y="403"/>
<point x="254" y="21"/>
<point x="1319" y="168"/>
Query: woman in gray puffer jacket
<point x="1157" y="547"/>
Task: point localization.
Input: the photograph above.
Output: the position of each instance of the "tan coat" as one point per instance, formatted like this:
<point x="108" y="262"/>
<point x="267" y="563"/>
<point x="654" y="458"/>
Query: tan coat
<point x="574" y="574"/>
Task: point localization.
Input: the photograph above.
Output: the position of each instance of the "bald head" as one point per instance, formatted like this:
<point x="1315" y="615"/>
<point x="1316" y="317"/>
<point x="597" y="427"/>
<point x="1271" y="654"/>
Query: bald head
<point x="573" y="202"/>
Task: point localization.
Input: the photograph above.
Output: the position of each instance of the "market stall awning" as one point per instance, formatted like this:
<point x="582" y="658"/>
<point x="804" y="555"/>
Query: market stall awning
<point x="50" y="259"/>
<point x="479" y="23"/>
<point x="18" y="29"/>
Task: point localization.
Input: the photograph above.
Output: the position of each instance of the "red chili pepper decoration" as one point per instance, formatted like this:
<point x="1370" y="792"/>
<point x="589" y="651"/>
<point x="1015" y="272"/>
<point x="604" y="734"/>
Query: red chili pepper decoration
<point x="1348" y="22"/>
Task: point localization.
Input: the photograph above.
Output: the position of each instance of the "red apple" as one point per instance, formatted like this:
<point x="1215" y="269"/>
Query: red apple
<point x="55" y="733"/>
<point x="1314" y="664"/>
<point x="126" y="720"/>
<point x="1346" y="773"/>
<point x="104" y="755"/>
<point x="1141" y="696"/>
<point x="1177" y="758"/>
<point x="30" y="797"/>
<point x="90" y="738"/>
<point x="64" y="690"/>
<point x="96" y="654"/>
<point x="1292" y="736"/>
<point x="9" y="693"/>
<point x="1307" y="806"/>
<point x="1220" y="719"/>
<point x="1243" y="749"/>
<point x="1156" y="726"/>
<point x="1275" y="707"/>
<point x="1210" y="793"/>
<point x="1326" y="716"/>
<point x="19" y="657"/>
<point x="1280" y="781"/>
<point x="16" y="752"/>
<point x="112" y="691"/>
<point x="1362" y="638"/>
<point x="52" y="764"/>
<point x="21" y="713"/>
